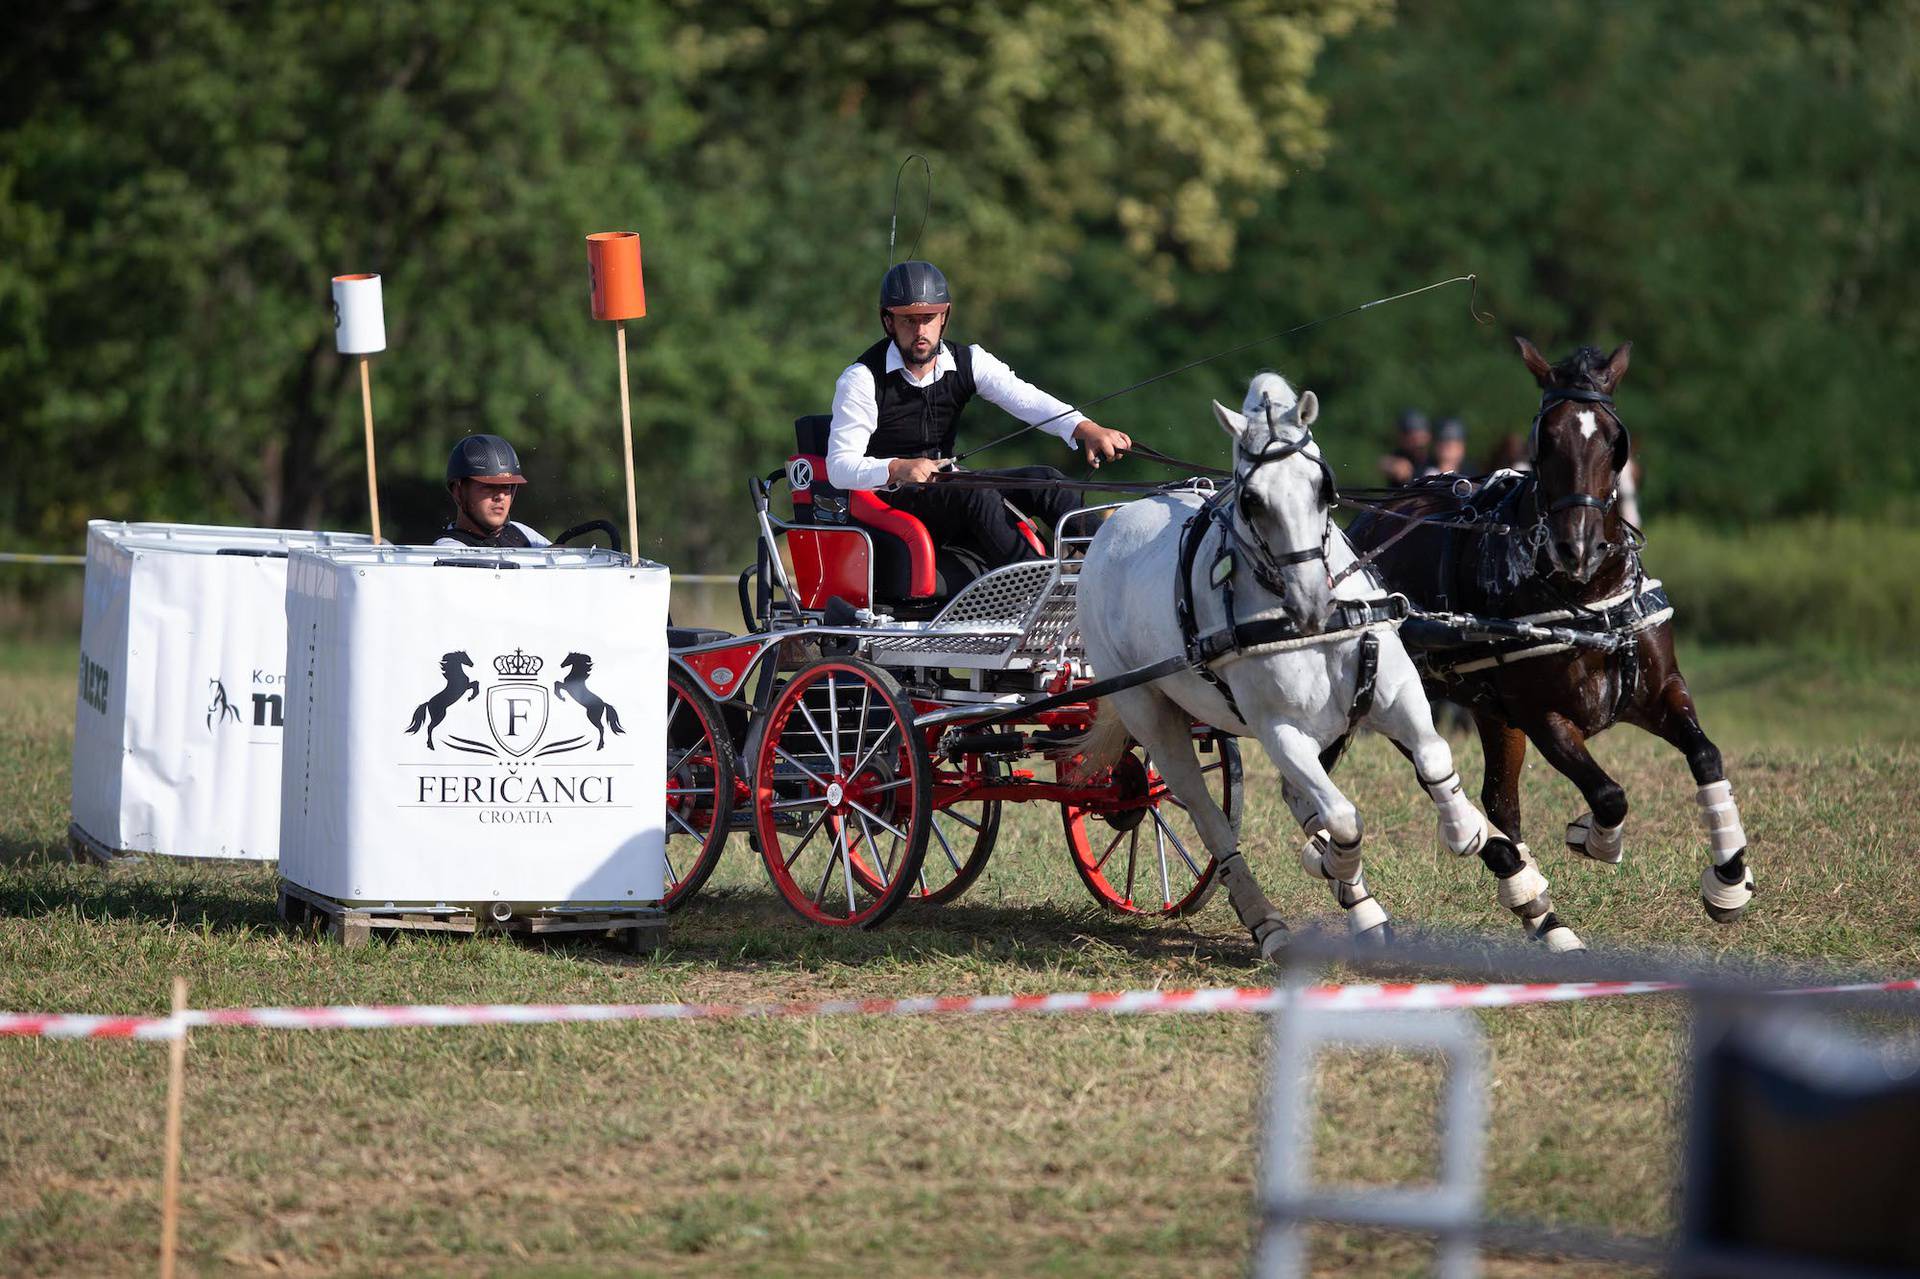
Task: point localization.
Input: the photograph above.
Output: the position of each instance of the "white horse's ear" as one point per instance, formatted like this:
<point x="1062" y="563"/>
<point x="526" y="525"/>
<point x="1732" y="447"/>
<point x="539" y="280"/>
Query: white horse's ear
<point x="1232" y="423"/>
<point x="1308" y="408"/>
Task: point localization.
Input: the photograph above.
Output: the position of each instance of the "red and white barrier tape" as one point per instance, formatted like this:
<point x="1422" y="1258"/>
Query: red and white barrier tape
<point x="1383" y="998"/>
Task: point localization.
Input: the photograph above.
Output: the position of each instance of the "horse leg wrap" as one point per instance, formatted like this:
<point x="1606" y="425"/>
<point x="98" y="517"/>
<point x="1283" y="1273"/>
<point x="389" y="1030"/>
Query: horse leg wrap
<point x="1341" y="868"/>
<point x="1520" y="880"/>
<point x="1323" y="859"/>
<point x="1587" y="837"/>
<point x="1722" y="819"/>
<point x="1462" y="826"/>
<point x="1366" y="917"/>
<point x="1726" y="887"/>
<point x="1313" y="854"/>
<point x="1556" y="936"/>
<point x="1726" y="901"/>
<point x="1251" y="905"/>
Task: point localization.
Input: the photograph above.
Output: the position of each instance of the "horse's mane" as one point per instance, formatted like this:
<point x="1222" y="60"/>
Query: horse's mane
<point x="1581" y="371"/>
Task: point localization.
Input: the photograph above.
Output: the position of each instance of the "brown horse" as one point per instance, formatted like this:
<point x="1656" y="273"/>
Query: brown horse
<point x="1550" y="548"/>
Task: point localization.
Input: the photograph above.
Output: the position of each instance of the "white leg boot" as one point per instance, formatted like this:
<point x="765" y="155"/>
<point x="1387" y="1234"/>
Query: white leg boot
<point x="1341" y="868"/>
<point x="1587" y="837"/>
<point x="1726" y="887"/>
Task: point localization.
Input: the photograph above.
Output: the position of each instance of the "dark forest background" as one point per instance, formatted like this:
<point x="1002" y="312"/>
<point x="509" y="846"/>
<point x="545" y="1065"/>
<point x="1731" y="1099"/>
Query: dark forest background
<point x="1117" y="188"/>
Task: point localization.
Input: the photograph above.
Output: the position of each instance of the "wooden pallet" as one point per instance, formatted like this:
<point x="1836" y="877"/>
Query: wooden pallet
<point x="640" y="931"/>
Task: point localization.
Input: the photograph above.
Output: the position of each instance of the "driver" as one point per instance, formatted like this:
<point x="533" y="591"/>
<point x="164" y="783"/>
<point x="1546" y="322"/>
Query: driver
<point x="896" y="411"/>
<point x="483" y="474"/>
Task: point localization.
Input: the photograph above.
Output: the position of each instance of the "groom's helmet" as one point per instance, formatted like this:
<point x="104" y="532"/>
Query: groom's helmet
<point x="487" y="458"/>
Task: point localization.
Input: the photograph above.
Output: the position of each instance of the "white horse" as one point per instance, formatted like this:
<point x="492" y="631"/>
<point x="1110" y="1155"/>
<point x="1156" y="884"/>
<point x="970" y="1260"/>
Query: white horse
<point x="1297" y="695"/>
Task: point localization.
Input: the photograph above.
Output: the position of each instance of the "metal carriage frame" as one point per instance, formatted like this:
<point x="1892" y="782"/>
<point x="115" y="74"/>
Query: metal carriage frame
<point x="829" y="718"/>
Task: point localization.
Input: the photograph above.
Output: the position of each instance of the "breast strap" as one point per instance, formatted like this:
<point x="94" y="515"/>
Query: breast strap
<point x="1267" y="634"/>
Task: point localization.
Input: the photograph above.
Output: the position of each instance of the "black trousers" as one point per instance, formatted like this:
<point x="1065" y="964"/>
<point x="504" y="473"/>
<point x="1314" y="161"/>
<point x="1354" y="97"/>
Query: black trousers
<point x="977" y="519"/>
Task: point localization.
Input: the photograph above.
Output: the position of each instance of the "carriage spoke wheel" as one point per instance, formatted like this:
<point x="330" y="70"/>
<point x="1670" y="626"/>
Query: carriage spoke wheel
<point x="842" y="794"/>
<point x="1147" y="858"/>
<point x="699" y="786"/>
<point x="960" y="839"/>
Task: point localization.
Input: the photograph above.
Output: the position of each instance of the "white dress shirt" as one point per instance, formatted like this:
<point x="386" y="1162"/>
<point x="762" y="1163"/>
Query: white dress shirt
<point x="856" y="410"/>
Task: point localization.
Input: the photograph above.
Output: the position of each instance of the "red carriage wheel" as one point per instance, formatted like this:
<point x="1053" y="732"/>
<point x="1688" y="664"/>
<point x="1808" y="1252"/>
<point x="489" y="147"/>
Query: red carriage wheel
<point x="842" y="794"/>
<point x="1145" y="856"/>
<point x="699" y="786"/>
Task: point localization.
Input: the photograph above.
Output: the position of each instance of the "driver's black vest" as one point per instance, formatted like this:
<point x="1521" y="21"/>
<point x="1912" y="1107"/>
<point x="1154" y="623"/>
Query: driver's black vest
<point x="509" y="537"/>
<point x="917" y="421"/>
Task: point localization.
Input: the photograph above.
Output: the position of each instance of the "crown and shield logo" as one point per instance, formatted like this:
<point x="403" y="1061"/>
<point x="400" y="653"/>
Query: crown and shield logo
<point x="518" y="706"/>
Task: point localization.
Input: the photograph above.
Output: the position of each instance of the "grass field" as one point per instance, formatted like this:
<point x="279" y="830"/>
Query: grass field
<point x="986" y="1146"/>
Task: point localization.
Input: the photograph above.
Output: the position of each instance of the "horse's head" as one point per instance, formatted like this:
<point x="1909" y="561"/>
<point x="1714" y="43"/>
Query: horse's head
<point x="577" y="664"/>
<point x="452" y="662"/>
<point x="1578" y="447"/>
<point x="1282" y="491"/>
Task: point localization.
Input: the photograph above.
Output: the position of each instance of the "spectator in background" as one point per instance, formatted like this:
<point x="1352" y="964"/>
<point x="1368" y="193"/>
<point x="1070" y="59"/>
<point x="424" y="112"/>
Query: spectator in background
<point x="1449" y="447"/>
<point x="1410" y="458"/>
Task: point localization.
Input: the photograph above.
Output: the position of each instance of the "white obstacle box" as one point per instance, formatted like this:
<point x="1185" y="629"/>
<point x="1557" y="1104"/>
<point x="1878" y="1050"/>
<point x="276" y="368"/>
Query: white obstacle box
<point x="178" y="723"/>
<point x="475" y="730"/>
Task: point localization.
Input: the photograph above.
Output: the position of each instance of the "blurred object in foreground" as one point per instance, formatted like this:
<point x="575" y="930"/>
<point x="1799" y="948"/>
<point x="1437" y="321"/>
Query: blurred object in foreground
<point x="1802" y="1152"/>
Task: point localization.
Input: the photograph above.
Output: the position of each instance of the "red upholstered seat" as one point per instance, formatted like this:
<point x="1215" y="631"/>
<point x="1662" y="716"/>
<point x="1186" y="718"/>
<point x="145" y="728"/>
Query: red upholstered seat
<point x="831" y="557"/>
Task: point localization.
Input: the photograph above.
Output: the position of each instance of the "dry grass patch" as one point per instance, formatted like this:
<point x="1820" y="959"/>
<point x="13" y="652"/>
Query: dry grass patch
<point x="991" y="1145"/>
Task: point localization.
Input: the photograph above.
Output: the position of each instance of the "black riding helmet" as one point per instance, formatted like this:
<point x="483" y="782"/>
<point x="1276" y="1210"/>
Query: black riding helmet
<point x="914" y="284"/>
<point x="488" y="458"/>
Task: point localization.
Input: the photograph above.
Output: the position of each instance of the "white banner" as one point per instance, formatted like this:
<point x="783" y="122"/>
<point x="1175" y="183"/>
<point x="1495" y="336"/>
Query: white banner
<point x="464" y="734"/>
<point x="181" y="698"/>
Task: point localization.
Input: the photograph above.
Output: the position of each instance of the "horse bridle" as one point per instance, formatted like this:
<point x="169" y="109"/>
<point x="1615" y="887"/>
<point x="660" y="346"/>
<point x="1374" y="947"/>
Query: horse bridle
<point x="1622" y="450"/>
<point x="1265" y="560"/>
<point x="1551" y="398"/>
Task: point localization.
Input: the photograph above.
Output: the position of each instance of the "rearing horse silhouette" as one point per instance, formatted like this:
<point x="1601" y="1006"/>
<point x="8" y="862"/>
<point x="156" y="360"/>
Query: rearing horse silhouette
<point x="436" y="706"/>
<point x="221" y="707"/>
<point x="578" y="667"/>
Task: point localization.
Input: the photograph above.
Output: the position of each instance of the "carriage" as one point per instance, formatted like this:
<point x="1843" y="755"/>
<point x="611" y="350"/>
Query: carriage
<point x="838" y="730"/>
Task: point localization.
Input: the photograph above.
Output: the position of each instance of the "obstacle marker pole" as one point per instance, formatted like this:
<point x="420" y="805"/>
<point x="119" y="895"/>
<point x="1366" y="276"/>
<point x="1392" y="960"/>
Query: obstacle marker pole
<point x="618" y="293"/>
<point x="360" y="329"/>
<point x="366" y="411"/>
<point x="170" y="1180"/>
<point x="626" y="436"/>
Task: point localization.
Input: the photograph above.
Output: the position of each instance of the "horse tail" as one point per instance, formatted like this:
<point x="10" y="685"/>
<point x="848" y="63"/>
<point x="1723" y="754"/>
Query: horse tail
<point x="1099" y="746"/>
<point x="613" y="718"/>
<point x="419" y="718"/>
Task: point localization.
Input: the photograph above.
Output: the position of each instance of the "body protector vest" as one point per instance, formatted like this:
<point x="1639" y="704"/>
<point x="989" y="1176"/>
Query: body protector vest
<point x="508" y="538"/>
<point x="917" y="421"/>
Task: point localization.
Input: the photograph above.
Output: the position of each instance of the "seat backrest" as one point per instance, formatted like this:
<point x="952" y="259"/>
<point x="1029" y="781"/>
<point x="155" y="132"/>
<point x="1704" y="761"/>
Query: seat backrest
<point x="903" y="550"/>
<point x="810" y="433"/>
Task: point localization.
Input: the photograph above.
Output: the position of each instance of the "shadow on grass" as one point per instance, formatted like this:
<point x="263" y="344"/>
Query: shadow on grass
<point x="745" y="930"/>
<point x="729" y="929"/>
<point x="40" y="882"/>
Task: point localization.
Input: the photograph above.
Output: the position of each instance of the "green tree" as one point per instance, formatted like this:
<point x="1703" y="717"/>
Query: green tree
<point x="1732" y="187"/>
<point x="179" y="181"/>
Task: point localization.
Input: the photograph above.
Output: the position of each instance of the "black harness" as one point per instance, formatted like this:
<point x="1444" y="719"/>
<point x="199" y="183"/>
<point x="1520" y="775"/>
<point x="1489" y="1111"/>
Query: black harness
<point x="1220" y="510"/>
<point x="1199" y="651"/>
